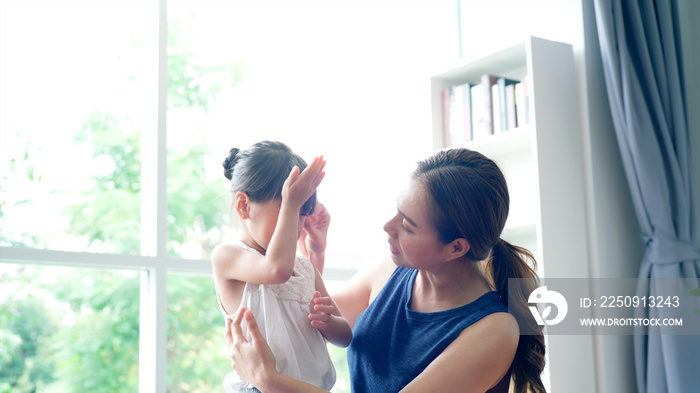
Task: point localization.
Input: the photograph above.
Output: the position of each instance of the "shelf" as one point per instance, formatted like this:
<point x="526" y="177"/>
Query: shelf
<point x="509" y="62"/>
<point x="504" y="143"/>
<point x="540" y="161"/>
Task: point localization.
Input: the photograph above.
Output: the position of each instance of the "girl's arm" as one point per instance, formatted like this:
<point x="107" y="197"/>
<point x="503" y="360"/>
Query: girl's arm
<point x="277" y="265"/>
<point x="327" y="319"/>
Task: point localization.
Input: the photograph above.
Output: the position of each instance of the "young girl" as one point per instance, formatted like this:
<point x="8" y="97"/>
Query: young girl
<point x="273" y="192"/>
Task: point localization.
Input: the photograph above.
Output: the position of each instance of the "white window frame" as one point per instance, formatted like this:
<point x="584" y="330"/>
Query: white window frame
<point x="154" y="263"/>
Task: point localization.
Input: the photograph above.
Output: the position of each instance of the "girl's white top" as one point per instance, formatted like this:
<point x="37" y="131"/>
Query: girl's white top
<point x="282" y="312"/>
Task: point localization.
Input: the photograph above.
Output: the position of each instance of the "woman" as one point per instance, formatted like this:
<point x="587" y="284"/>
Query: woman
<point x="435" y="317"/>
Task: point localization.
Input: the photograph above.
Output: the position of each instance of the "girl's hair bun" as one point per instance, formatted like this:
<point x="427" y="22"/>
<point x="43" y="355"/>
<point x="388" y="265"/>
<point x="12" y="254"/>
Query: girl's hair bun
<point x="230" y="162"/>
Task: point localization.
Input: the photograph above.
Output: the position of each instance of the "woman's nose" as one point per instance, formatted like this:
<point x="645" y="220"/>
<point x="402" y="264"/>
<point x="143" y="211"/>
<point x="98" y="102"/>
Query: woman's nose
<point x="390" y="226"/>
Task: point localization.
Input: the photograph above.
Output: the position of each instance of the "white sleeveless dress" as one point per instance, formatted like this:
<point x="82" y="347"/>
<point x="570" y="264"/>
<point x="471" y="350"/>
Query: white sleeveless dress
<point x="282" y="311"/>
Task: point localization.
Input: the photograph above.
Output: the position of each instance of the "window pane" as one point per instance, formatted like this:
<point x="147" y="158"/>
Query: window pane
<point x="346" y="79"/>
<point x="68" y="329"/>
<point x="78" y="89"/>
<point x="197" y="357"/>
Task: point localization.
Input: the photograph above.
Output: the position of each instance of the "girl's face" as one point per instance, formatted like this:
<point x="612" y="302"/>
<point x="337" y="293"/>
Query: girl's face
<point x="413" y="240"/>
<point x="263" y="220"/>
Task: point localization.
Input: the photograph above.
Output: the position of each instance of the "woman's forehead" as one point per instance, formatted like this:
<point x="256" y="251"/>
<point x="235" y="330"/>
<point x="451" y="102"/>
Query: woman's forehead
<point x="412" y="199"/>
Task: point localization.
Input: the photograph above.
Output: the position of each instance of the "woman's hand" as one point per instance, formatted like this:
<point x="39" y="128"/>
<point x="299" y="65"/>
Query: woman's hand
<point x="253" y="360"/>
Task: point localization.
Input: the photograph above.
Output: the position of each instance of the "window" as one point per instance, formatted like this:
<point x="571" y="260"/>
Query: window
<point x="77" y="92"/>
<point x="110" y="176"/>
<point x="68" y="329"/>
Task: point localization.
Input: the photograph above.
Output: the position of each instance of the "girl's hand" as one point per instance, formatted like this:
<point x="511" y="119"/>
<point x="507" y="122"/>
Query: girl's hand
<point x="321" y="310"/>
<point x="299" y="187"/>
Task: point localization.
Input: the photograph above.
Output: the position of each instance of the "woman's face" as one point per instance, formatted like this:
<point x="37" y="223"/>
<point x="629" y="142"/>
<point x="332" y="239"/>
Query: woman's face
<point x="413" y="240"/>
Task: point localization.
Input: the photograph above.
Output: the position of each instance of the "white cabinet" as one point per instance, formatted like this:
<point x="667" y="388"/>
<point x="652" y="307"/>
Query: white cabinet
<point x="541" y="160"/>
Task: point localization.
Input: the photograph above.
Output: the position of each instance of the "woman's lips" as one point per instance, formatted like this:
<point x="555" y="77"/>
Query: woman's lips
<point x="393" y="250"/>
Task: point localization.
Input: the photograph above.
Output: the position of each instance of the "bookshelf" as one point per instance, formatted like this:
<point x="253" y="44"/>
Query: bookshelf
<point x="542" y="161"/>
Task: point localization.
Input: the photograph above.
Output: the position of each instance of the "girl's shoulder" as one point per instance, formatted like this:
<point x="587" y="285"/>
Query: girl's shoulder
<point x="227" y="252"/>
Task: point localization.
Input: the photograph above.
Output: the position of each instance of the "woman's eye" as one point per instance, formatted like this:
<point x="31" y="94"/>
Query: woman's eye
<point x="404" y="227"/>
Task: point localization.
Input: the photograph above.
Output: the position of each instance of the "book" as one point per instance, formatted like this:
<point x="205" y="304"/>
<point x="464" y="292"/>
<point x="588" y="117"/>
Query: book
<point x="497" y="107"/>
<point x="456" y="114"/>
<point x="467" y="100"/>
<point x="511" y="117"/>
<point x="502" y="101"/>
<point x="528" y="102"/>
<point x="446" y="116"/>
<point x="457" y="135"/>
<point x="478" y="117"/>
<point x="487" y="81"/>
<point x="520" y="104"/>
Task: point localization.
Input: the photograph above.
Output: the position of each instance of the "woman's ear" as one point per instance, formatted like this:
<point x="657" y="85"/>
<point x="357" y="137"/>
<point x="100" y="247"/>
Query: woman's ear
<point x="457" y="248"/>
<point x="241" y="203"/>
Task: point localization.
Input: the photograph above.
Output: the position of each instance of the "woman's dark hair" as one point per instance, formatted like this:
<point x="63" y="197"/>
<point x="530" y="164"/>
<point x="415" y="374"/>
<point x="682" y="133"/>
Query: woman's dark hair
<point x="261" y="171"/>
<point x="470" y="201"/>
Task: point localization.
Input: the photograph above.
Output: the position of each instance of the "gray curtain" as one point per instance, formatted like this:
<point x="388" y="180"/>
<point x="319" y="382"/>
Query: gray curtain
<point x="642" y="62"/>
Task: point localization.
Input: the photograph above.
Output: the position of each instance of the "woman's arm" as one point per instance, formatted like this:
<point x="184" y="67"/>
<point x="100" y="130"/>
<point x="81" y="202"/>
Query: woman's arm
<point x="254" y="361"/>
<point x="475" y="362"/>
<point x="356" y="295"/>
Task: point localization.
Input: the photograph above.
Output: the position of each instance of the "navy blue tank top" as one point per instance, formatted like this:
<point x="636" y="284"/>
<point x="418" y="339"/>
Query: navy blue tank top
<point x="392" y="344"/>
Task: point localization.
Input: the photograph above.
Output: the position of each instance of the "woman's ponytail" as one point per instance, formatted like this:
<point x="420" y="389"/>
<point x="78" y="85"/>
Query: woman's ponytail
<point x="511" y="261"/>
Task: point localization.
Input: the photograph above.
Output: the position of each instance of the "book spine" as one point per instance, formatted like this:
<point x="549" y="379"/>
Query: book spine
<point x="497" y="108"/>
<point x="504" y="84"/>
<point x="510" y="107"/>
<point x="501" y="110"/>
<point x="487" y="81"/>
<point x="467" y="98"/>
<point x="520" y="104"/>
<point x="528" y="100"/>
<point x="446" y="117"/>
<point x="478" y="118"/>
<point x="457" y="115"/>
